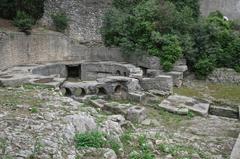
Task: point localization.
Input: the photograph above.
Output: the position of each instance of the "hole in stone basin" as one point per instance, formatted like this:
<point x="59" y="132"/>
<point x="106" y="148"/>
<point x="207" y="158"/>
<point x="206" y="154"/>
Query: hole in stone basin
<point x="189" y="103"/>
<point x="44" y="80"/>
<point x="118" y="73"/>
<point x="138" y="108"/>
<point x="102" y="91"/>
<point x="79" y="92"/>
<point x="125" y="74"/>
<point x="118" y="89"/>
<point x="68" y="92"/>
<point x="74" y="71"/>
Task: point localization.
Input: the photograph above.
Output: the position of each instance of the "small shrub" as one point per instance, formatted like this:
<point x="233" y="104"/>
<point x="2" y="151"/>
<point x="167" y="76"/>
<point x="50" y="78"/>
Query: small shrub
<point x="237" y="68"/>
<point x="23" y="21"/>
<point x="93" y="139"/>
<point x="34" y="110"/>
<point x="203" y="68"/>
<point x="60" y="21"/>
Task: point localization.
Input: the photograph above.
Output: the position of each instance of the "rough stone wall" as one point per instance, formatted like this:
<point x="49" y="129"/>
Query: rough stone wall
<point x="224" y="75"/>
<point x="85" y="17"/>
<point x="230" y="8"/>
<point x="19" y="49"/>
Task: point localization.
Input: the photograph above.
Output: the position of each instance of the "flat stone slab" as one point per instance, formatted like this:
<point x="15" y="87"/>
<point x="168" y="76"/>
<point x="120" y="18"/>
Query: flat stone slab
<point x="177" y="110"/>
<point x="236" y="150"/>
<point x="176" y="103"/>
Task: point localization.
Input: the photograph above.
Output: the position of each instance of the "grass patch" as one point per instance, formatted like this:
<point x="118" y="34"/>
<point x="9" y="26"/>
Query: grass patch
<point x="187" y="91"/>
<point x="10" y="98"/>
<point x="180" y="151"/>
<point x="136" y="147"/>
<point x="34" y="110"/>
<point x="37" y="86"/>
<point x="93" y="139"/>
<point x="225" y="92"/>
<point x="96" y="139"/>
<point x="169" y="119"/>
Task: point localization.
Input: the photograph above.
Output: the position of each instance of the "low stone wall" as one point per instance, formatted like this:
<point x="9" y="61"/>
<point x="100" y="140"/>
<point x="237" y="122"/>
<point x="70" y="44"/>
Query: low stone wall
<point x="19" y="49"/>
<point x="224" y="75"/>
<point x="230" y="8"/>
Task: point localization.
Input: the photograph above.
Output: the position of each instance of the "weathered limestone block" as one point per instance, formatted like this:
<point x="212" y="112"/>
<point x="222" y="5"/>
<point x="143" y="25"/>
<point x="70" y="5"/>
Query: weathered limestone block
<point x="177" y="110"/>
<point x="161" y="82"/>
<point x="117" y="108"/>
<point x="78" y="123"/>
<point x="94" y="70"/>
<point x="136" y="96"/>
<point x="180" y="68"/>
<point x="51" y="69"/>
<point x="149" y="62"/>
<point x="136" y="114"/>
<point x="175" y="102"/>
<point x="103" y="153"/>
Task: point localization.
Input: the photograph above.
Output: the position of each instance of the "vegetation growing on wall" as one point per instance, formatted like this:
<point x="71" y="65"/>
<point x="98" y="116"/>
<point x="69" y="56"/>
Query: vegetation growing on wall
<point x="170" y="29"/>
<point x="60" y="21"/>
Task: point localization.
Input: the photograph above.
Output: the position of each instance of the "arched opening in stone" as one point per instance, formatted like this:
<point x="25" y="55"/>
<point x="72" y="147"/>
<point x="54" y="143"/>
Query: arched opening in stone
<point x="120" y="92"/>
<point x="67" y="92"/>
<point x="102" y="91"/>
<point x="118" y="73"/>
<point x="79" y="92"/>
<point x="125" y="74"/>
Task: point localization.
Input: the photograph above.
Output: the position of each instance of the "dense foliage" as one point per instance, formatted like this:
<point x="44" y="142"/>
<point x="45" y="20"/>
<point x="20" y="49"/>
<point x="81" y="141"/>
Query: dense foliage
<point x="171" y="29"/>
<point x="24" y="12"/>
<point x="60" y="21"/>
<point x="23" y="21"/>
<point x="9" y="8"/>
<point x="148" y="26"/>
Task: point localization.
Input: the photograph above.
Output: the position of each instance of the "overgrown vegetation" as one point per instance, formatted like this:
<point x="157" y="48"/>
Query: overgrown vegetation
<point x="25" y="13"/>
<point x="23" y="21"/>
<point x="90" y="139"/>
<point x="9" y="8"/>
<point x="60" y="21"/>
<point x="172" y="29"/>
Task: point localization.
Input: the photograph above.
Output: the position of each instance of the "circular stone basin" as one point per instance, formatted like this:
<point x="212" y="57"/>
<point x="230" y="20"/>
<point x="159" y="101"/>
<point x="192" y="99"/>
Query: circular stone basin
<point x="44" y="80"/>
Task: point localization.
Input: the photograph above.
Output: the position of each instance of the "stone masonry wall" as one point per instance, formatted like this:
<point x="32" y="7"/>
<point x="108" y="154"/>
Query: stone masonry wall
<point x="85" y="17"/>
<point x="19" y="49"/>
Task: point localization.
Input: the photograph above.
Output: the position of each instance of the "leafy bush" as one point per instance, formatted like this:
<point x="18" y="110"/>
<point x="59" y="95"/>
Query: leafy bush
<point x="90" y="139"/>
<point x="9" y="8"/>
<point x="23" y="21"/>
<point x="147" y="27"/>
<point x="171" y="29"/>
<point x="203" y="67"/>
<point x="60" y="21"/>
<point x="218" y="42"/>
